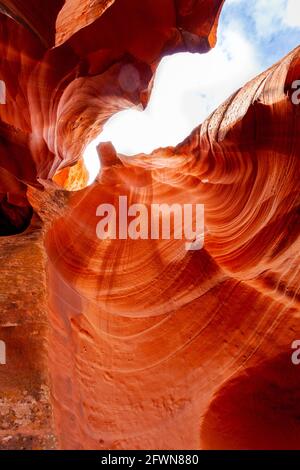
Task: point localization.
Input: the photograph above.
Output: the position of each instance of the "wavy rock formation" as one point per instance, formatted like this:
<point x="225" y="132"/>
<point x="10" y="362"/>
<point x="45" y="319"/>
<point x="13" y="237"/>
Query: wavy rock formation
<point x="143" y="344"/>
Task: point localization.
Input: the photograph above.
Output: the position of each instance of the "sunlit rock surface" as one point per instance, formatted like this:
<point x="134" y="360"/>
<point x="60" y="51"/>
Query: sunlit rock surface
<point x="143" y="344"/>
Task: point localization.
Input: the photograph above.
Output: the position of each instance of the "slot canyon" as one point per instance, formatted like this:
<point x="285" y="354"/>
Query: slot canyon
<point x="141" y="344"/>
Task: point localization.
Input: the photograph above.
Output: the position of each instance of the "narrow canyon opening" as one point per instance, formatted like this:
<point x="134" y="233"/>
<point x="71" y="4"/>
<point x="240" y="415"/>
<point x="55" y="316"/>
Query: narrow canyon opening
<point x="188" y="87"/>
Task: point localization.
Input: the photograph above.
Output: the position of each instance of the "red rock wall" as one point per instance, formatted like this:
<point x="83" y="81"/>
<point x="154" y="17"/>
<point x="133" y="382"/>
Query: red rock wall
<point x="162" y="337"/>
<point x="46" y="122"/>
<point x="26" y="420"/>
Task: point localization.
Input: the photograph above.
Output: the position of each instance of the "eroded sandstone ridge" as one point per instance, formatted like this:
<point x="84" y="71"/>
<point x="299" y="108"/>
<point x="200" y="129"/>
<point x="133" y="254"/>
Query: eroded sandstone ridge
<point x="142" y="343"/>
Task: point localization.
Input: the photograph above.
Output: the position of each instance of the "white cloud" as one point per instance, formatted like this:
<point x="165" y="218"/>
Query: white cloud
<point x="292" y="15"/>
<point x="268" y="16"/>
<point x="271" y="16"/>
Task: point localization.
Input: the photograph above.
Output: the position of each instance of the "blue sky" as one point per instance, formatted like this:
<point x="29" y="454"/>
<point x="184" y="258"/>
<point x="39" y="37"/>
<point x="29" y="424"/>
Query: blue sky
<point x="252" y="35"/>
<point x="273" y="26"/>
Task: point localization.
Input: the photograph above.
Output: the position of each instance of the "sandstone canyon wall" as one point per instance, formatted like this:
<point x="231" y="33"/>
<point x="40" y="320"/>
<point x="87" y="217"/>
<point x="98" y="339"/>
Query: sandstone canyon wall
<point x="140" y="344"/>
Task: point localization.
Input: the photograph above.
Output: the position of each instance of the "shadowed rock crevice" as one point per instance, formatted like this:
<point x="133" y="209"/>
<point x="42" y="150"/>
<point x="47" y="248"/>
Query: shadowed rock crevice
<point x="256" y="410"/>
<point x="13" y="219"/>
